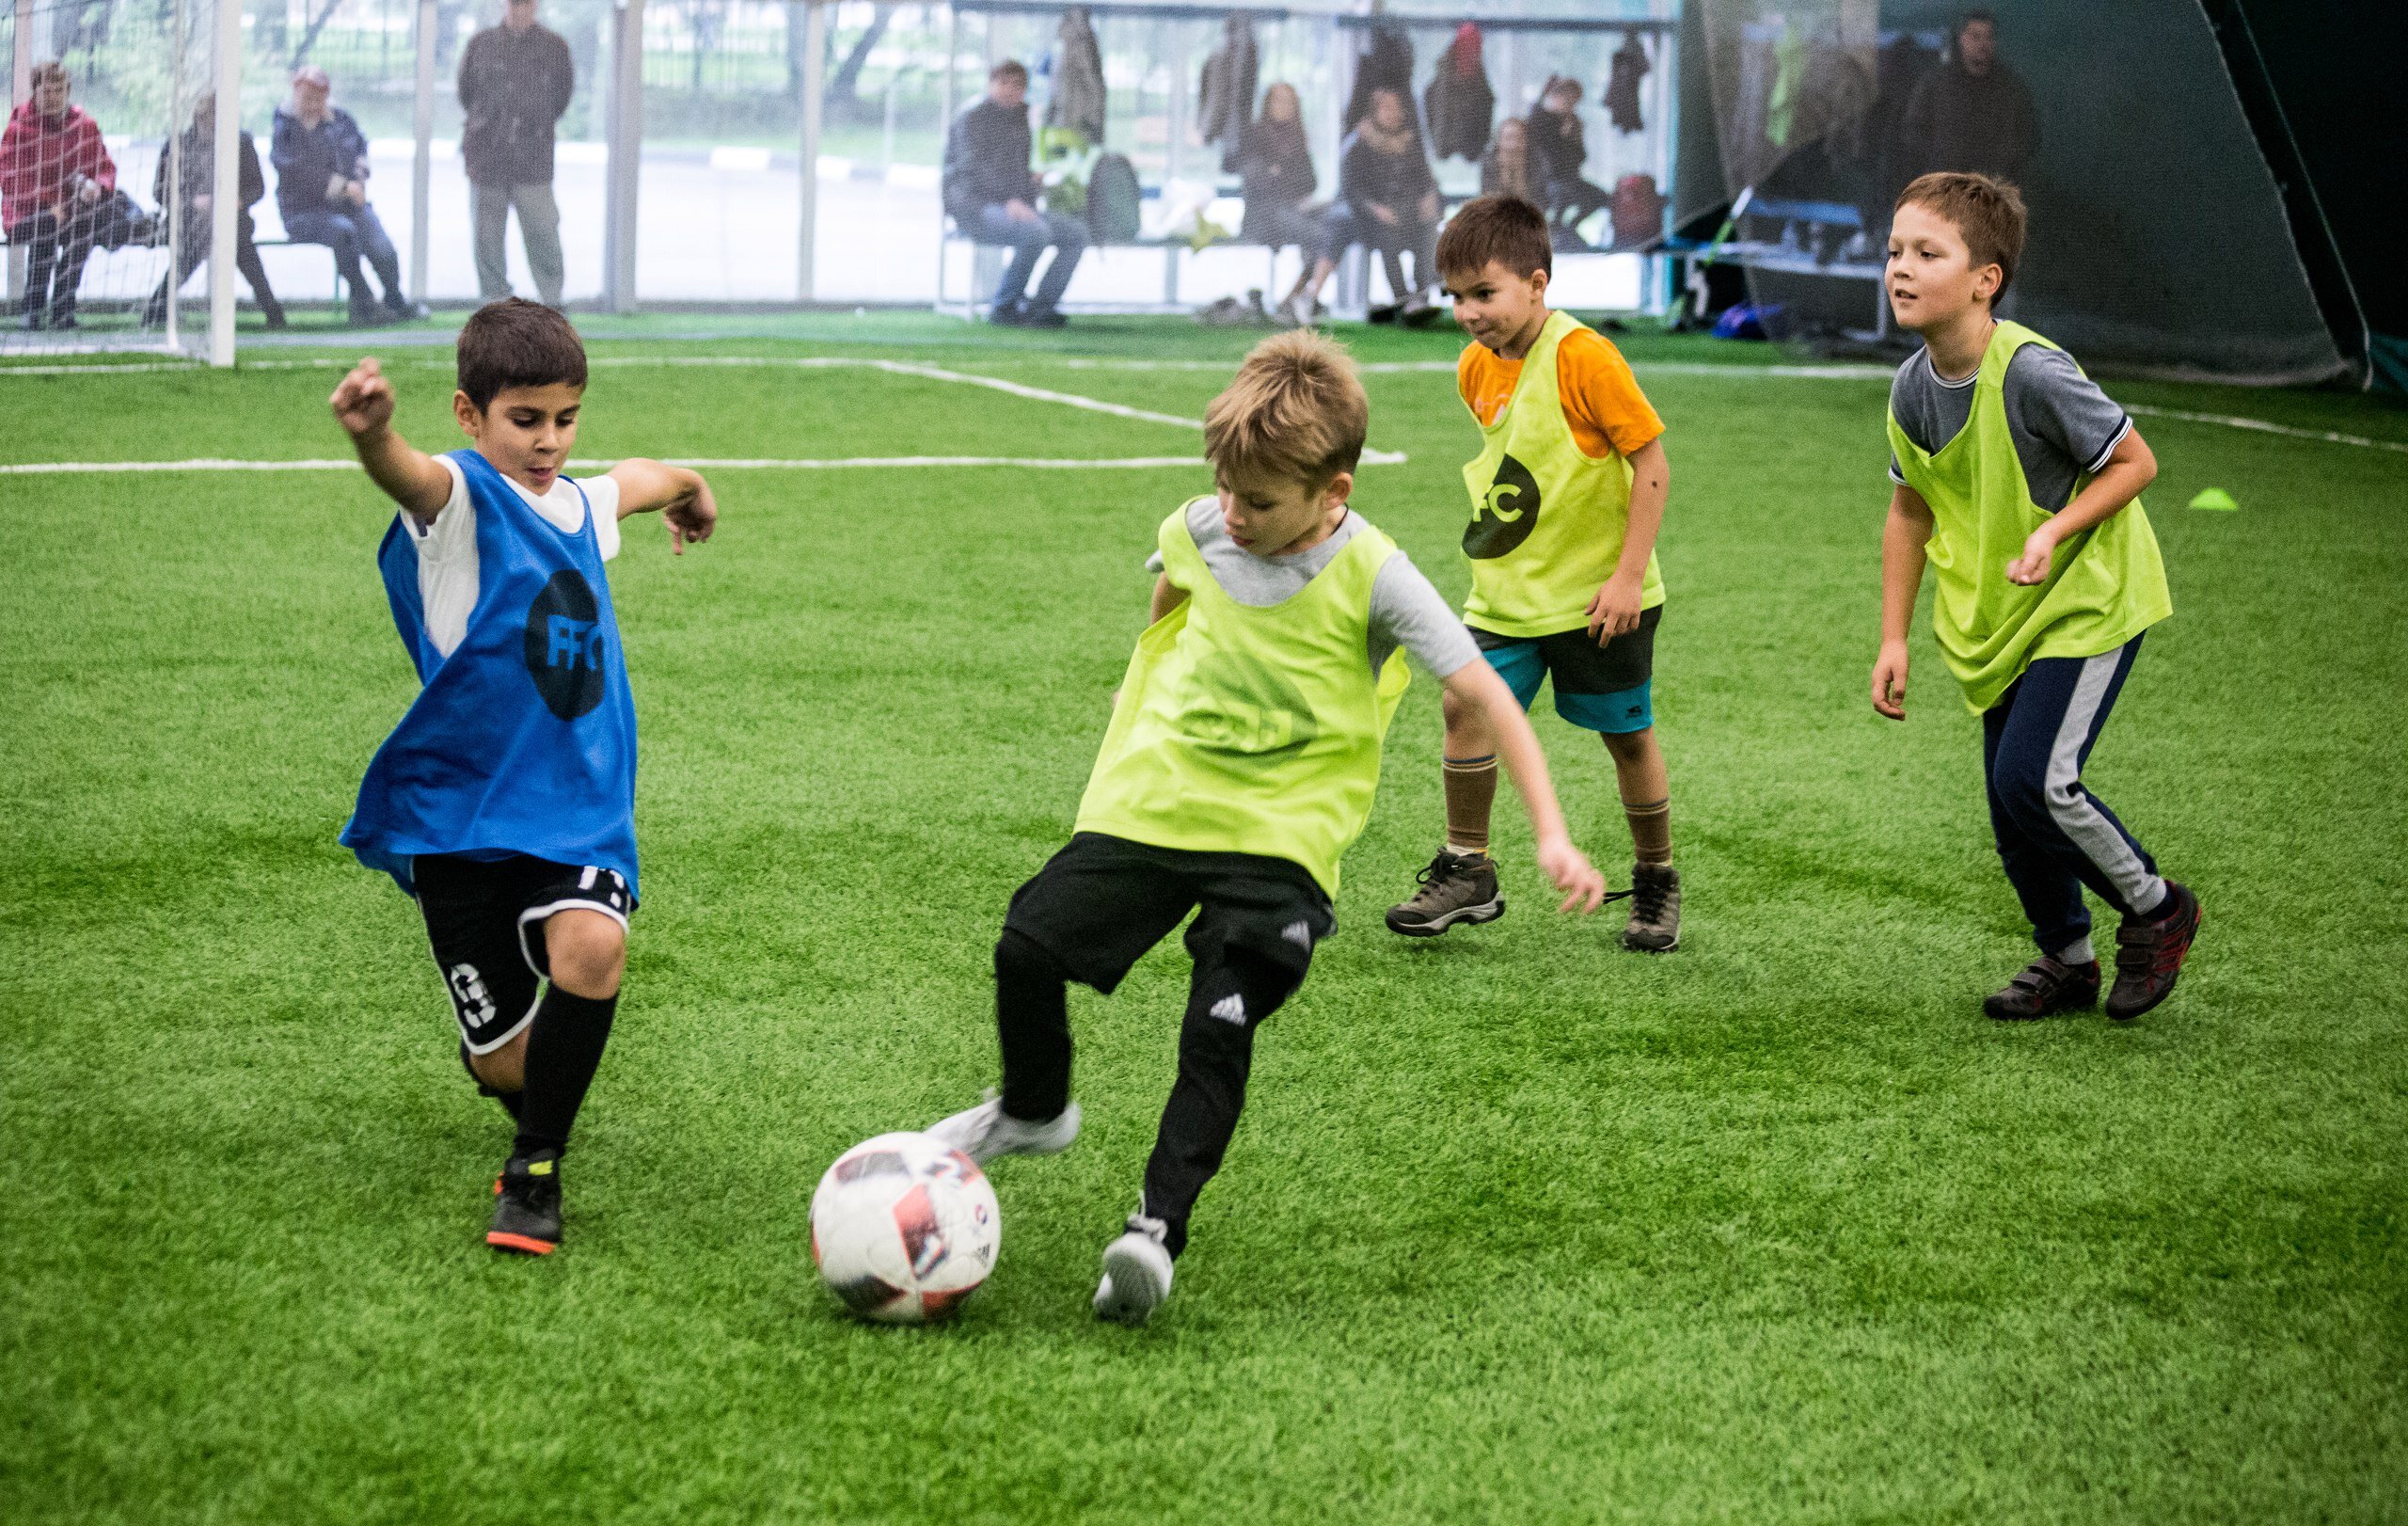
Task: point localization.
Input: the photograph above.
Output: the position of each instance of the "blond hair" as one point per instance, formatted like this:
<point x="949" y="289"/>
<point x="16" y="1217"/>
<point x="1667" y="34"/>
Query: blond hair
<point x="1295" y="409"/>
<point x="1987" y="212"/>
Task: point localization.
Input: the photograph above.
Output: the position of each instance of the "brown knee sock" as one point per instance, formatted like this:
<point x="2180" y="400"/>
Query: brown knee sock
<point x="1651" y="829"/>
<point x="1471" y="791"/>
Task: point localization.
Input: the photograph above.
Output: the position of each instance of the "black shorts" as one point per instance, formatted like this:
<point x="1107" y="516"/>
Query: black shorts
<point x="1102" y="901"/>
<point x="1605" y="689"/>
<point x="484" y="918"/>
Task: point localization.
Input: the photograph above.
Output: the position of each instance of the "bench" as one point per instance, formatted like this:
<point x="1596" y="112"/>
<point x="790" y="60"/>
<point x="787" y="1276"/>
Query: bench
<point x="986" y="270"/>
<point x="1792" y="237"/>
<point x="341" y="299"/>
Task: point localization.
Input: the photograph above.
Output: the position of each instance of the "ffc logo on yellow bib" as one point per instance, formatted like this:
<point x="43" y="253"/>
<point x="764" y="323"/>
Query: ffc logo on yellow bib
<point x="1505" y="515"/>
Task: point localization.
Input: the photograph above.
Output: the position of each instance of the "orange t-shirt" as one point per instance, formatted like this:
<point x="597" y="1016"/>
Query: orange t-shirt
<point x="1606" y="412"/>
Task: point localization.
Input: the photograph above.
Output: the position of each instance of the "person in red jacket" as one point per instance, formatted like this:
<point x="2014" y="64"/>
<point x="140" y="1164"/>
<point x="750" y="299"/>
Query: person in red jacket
<point x="57" y="184"/>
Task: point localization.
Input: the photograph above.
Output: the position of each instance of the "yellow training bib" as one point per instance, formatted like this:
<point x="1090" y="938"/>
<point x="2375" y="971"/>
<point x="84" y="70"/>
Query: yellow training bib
<point x="1245" y="730"/>
<point x="1548" y="522"/>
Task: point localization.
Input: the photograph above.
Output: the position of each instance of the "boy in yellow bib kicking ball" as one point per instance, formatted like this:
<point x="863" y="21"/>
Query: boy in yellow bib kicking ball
<point x="1241" y="762"/>
<point x="1567" y="494"/>
<point x="2020" y="482"/>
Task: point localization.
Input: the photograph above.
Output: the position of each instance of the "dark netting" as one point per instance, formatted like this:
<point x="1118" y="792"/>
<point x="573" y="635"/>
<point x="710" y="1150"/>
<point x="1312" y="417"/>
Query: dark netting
<point x="2159" y="236"/>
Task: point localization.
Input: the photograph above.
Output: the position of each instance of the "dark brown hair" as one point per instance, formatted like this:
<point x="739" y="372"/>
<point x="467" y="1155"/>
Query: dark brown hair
<point x="1009" y="69"/>
<point x="1295" y="409"/>
<point x="1505" y="229"/>
<point x="1987" y="212"/>
<point x="514" y="342"/>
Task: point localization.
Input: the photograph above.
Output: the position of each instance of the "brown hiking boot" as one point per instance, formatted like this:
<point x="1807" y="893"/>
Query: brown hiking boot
<point x="2045" y="985"/>
<point x="1654" y="909"/>
<point x="2149" y="954"/>
<point x="1456" y="887"/>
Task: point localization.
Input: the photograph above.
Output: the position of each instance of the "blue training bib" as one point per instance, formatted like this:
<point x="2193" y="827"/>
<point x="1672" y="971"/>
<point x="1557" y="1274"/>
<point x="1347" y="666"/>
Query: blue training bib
<point x="523" y="740"/>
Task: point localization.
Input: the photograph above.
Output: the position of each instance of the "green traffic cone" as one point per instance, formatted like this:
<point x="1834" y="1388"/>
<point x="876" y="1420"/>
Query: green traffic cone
<point x="2216" y="498"/>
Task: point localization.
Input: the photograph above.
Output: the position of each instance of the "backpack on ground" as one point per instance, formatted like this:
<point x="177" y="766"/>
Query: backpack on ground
<point x="1113" y="199"/>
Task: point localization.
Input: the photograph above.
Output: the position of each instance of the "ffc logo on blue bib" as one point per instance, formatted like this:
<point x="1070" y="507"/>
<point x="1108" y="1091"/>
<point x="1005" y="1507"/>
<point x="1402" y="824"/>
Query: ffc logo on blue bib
<point x="1504" y="517"/>
<point x="567" y="645"/>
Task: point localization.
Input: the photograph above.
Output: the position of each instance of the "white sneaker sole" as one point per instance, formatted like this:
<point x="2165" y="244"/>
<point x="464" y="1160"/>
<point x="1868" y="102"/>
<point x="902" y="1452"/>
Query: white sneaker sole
<point x="1135" y="1282"/>
<point x="1487" y="911"/>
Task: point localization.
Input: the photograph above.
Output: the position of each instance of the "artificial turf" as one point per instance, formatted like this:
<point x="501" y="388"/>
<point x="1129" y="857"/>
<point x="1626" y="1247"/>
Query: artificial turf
<point x="1517" y="1227"/>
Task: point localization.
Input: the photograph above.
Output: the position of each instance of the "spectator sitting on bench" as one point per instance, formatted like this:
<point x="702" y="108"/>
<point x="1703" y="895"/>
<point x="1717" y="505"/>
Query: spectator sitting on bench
<point x="1505" y="169"/>
<point x="1276" y="175"/>
<point x="321" y="193"/>
<point x="991" y="194"/>
<point x="1561" y="144"/>
<point x="57" y="197"/>
<point x="197" y="155"/>
<point x="1387" y="201"/>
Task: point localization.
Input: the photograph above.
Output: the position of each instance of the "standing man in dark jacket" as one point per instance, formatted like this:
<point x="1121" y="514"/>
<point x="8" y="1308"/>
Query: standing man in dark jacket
<point x="320" y="159"/>
<point x="195" y="159"/>
<point x="991" y="194"/>
<point x="1972" y="113"/>
<point x="516" y="81"/>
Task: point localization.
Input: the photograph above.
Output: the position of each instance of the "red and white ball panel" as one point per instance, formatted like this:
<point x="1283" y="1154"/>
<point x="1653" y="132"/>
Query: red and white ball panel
<point x="903" y="1227"/>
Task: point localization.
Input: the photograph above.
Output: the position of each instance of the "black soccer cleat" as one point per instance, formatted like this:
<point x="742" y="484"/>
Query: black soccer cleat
<point x="2045" y="985"/>
<point x="2149" y="954"/>
<point x="527" y="1205"/>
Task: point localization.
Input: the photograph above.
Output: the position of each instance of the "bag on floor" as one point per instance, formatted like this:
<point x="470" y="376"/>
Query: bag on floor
<point x="1113" y="199"/>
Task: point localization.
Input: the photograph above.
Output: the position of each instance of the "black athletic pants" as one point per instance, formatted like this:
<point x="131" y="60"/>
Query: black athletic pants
<point x="1093" y="912"/>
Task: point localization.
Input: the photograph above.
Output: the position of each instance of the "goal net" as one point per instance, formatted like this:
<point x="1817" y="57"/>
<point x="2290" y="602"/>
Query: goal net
<point x="104" y="177"/>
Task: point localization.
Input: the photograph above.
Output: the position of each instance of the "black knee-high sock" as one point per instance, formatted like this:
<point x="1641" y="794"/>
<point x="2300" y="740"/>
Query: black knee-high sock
<point x="1033" y="1021"/>
<point x="563" y="1048"/>
<point x="509" y="1100"/>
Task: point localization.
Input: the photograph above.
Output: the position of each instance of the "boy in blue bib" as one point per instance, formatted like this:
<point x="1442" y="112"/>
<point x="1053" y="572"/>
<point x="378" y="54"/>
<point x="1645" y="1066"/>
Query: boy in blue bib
<point x="504" y="800"/>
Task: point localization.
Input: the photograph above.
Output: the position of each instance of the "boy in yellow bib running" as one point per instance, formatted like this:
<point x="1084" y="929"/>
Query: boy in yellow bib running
<point x="1566" y="496"/>
<point x="2020" y="482"/>
<point x="1241" y="762"/>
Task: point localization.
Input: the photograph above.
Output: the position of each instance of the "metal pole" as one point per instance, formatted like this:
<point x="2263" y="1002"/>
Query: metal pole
<point x="1175" y="128"/>
<point x="626" y="162"/>
<point x="421" y="150"/>
<point x="21" y="84"/>
<point x="944" y="126"/>
<point x="172" y="206"/>
<point x="224" y="188"/>
<point x="815" y="93"/>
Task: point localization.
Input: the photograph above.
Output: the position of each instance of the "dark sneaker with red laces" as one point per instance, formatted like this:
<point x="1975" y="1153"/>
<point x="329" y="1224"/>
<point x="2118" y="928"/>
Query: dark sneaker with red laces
<point x="527" y="1205"/>
<point x="2045" y="985"/>
<point x="2149" y="953"/>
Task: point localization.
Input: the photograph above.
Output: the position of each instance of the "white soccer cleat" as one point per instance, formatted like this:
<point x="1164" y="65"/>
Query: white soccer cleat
<point x="1136" y="1274"/>
<point x="986" y="1131"/>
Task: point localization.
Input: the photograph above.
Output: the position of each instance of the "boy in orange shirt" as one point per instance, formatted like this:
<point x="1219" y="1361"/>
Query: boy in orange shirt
<point x="1566" y="498"/>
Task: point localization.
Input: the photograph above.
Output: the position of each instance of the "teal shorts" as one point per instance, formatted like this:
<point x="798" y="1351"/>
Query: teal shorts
<point x="1605" y="689"/>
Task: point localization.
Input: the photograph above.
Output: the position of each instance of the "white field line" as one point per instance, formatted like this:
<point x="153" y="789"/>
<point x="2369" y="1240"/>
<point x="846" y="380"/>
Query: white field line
<point x="905" y="368"/>
<point x="2229" y="421"/>
<point x="700" y="462"/>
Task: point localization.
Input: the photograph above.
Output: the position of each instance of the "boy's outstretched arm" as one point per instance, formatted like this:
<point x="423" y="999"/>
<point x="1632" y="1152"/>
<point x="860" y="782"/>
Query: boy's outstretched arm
<point x="1476" y="685"/>
<point x="1614" y="611"/>
<point x="1903" y="540"/>
<point x="2129" y="467"/>
<point x="363" y="404"/>
<point x="681" y="497"/>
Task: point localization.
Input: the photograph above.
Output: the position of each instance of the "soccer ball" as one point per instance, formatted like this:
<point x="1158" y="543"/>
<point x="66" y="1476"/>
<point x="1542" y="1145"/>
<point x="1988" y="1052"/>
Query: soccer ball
<point x="903" y="1227"/>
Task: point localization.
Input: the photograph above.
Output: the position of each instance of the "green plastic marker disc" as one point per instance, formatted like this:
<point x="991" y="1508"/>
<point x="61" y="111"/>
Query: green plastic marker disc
<point x="2216" y="498"/>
